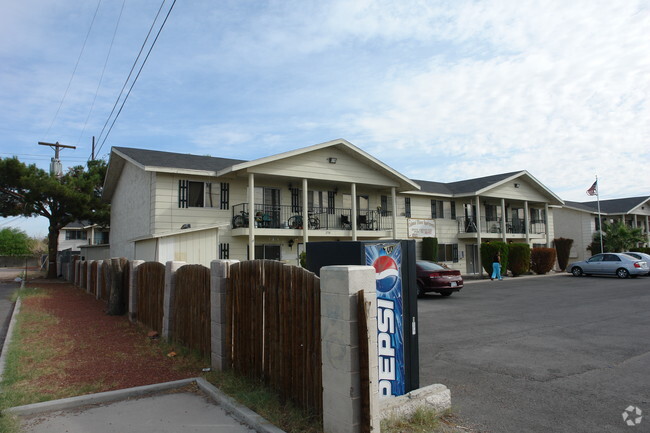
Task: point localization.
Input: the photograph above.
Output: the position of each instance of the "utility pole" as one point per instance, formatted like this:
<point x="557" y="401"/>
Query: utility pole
<point x="55" y="165"/>
<point x="92" y="155"/>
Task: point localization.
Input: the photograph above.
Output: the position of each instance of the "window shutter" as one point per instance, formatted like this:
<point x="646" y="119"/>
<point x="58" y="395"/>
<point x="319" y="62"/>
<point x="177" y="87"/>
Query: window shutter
<point x="454" y="253"/>
<point x="182" y="193"/>
<point x="224" y="251"/>
<point x="407" y="207"/>
<point x="225" y="196"/>
<point x="295" y="200"/>
<point x="434" y="209"/>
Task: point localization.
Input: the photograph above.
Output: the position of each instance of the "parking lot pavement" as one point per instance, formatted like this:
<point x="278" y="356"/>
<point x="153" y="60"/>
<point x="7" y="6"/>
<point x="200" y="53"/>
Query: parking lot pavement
<point x="560" y="354"/>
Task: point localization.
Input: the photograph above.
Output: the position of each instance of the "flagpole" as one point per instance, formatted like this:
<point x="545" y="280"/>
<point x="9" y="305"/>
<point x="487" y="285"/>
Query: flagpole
<point x="600" y="221"/>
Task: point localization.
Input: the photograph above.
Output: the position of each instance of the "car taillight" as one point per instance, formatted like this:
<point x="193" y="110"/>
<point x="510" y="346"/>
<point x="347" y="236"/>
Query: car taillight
<point x="434" y="275"/>
<point x="637" y="264"/>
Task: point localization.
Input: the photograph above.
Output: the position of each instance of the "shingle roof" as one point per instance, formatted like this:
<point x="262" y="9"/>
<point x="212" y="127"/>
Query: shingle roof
<point x="472" y="185"/>
<point x="433" y="187"/>
<point x="156" y="158"/>
<point x="613" y="206"/>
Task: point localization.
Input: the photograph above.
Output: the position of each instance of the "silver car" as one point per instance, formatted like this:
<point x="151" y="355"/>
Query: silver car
<point x="641" y="256"/>
<point x="618" y="264"/>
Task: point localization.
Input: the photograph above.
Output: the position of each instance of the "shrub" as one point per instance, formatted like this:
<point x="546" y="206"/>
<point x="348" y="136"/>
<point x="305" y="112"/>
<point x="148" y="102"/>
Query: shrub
<point x="489" y="250"/>
<point x="519" y="258"/>
<point x="645" y="250"/>
<point x="542" y="260"/>
<point x="563" y="248"/>
<point x="430" y="249"/>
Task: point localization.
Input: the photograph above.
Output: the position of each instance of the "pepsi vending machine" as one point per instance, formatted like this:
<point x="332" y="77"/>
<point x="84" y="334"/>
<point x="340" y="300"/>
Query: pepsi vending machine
<point x="397" y="339"/>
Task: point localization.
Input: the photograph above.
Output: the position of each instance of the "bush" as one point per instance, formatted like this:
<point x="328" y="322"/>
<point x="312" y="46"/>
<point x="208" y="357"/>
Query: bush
<point x="489" y="250"/>
<point x="563" y="249"/>
<point x="641" y="250"/>
<point x="519" y="258"/>
<point x="542" y="260"/>
<point x="430" y="249"/>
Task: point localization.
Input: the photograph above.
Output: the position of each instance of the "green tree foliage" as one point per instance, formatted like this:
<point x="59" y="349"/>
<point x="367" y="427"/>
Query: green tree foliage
<point x="430" y="249"/>
<point x="563" y="249"/>
<point x="27" y="190"/>
<point x="519" y="258"/>
<point x="617" y="237"/>
<point x="14" y="242"/>
<point x="542" y="260"/>
<point x="489" y="250"/>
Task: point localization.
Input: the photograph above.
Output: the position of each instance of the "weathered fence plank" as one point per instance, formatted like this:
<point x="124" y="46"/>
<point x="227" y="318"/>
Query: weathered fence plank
<point x="192" y="308"/>
<point x="151" y="290"/>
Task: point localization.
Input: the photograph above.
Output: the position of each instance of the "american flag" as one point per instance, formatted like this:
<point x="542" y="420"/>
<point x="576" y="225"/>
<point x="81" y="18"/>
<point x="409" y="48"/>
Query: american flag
<point x="594" y="189"/>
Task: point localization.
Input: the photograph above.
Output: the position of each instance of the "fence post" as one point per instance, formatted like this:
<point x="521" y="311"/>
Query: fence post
<point x="133" y="289"/>
<point x="340" y="348"/>
<point x="168" y="300"/>
<point x="98" y="280"/>
<point x="77" y="273"/>
<point x="219" y="274"/>
<point x="89" y="273"/>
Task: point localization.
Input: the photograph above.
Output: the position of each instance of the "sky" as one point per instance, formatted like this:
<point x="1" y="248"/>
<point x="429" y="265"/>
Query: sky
<point x="438" y="90"/>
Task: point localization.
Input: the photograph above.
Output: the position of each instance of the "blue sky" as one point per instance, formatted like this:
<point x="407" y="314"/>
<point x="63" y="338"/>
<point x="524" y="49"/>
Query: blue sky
<point x="438" y="90"/>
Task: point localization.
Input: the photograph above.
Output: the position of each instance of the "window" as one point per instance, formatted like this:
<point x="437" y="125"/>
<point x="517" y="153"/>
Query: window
<point x="407" y="207"/>
<point x="437" y="209"/>
<point x="295" y="200"/>
<point x="224" y="251"/>
<point x="268" y="252"/>
<point x="597" y="226"/>
<point x="384" y="205"/>
<point x="453" y="210"/>
<point x="72" y="235"/>
<point x="101" y="238"/>
<point x="330" y="202"/>
<point x="448" y="253"/>
<point x="195" y="194"/>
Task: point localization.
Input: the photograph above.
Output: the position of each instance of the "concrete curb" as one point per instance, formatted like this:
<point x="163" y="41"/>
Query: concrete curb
<point x="8" y="338"/>
<point x="471" y="280"/>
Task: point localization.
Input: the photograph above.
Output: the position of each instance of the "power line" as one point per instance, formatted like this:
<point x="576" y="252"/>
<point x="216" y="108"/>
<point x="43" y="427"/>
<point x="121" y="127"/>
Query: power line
<point x="138" y="74"/>
<point x="101" y="77"/>
<point x="135" y="62"/>
<point x="75" y="68"/>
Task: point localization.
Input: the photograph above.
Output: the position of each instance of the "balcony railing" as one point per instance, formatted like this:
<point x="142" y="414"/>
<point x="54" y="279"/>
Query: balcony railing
<point x="290" y="217"/>
<point x="493" y="225"/>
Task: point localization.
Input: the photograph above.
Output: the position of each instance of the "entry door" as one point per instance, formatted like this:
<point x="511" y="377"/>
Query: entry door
<point x="471" y="258"/>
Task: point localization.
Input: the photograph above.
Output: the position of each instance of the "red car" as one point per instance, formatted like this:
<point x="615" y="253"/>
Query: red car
<point x="435" y="278"/>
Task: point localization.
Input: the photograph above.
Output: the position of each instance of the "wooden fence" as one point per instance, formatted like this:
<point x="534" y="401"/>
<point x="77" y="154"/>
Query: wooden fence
<point x="93" y="278"/>
<point x="191" y="305"/>
<point x="273" y="328"/>
<point x="151" y="292"/>
<point x="104" y="285"/>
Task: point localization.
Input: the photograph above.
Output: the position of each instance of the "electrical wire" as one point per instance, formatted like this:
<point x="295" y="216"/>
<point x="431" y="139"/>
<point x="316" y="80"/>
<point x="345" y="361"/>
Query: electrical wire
<point x="75" y="69"/>
<point x="101" y="77"/>
<point x="138" y="75"/>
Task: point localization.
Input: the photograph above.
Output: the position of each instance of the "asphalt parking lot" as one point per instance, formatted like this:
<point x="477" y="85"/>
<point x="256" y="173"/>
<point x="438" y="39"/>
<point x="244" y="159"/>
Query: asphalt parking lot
<point x="543" y="354"/>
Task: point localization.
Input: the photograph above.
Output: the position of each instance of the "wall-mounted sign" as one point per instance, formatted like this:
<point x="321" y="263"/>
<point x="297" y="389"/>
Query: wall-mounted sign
<point x="421" y="228"/>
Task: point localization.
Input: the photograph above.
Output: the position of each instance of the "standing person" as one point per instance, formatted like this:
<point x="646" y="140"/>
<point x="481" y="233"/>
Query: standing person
<point x="496" y="267"/>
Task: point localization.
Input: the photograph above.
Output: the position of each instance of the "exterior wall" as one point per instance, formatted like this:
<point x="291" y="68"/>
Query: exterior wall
<point x="95" y="253"/>
<point x="130" y="211"/>
<point x="72" y="244"/>
<point x="576" y="225"/>
<point x="195" y="247"/>
<point x="525" y="191"/>
<point x="146" y="250"/>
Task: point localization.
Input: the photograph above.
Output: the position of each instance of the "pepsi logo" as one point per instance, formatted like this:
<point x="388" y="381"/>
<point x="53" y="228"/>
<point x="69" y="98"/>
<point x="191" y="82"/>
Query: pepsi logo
<point x="387" y="273"/>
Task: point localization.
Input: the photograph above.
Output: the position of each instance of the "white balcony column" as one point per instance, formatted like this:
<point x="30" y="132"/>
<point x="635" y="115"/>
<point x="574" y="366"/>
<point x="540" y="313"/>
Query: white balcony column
<point x="636" y="224"/>
<point x="647" y="228"/>
<point x="504" y="218"/>
<point x="251" y="216"/>
<point x="478" y="233"/>
<point x="353" y="217"/>
<point x="305" y="213"/>
<point x="526" y="222"/>
<point x="393" y="197"/>
<point x="547" y="227"/>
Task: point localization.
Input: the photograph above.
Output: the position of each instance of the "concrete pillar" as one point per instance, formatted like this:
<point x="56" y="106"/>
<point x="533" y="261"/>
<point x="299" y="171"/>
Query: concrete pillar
<point x="393" y="198"/>
<point x="353" y="217"/>
<point x="219" y="274"/>
<point x="527" y="222"/>
<point x="504" y="218"/>
<point x="98" y="279"/>
<point x="168" y="299"/>
<point x="547" y="227"/>
<point x="479" y="238"/>
<point x="305" y="212"/>
<point x="340" y="347"/>
<point x="251" y="216"/>
<point x="132" y="308"/>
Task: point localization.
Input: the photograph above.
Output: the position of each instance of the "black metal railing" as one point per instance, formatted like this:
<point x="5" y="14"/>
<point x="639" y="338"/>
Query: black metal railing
<point x="493" y="225"/>
<point x="290" y="217"/>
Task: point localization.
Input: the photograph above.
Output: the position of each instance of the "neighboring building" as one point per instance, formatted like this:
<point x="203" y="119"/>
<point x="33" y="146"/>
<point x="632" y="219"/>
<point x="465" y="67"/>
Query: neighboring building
<point x="579" y="220"/>
<point x="79" y="233"/>
<point x="170" y="206"/>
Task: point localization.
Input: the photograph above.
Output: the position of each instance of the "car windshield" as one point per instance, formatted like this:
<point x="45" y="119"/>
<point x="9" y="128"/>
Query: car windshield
<point x="430" y="266"/>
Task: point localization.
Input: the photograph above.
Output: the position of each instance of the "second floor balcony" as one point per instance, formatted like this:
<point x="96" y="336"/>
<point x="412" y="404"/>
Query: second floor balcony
<point x="494" y="227"/>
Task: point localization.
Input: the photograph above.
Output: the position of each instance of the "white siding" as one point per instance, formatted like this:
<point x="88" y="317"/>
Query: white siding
<point x="525" y="192"/>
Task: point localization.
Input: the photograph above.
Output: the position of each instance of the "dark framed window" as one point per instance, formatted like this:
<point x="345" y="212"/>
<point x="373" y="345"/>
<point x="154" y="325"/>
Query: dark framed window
<point x="330" y="202"/>
<point x="407" y="207"/>
<point x="295" y="200"/>
<point x="437" y="209"/>
<point x="384" y="205"/>
<point x="448" y="253"/>
<point x="73" y="235"/>
<point x="453" y="210"/>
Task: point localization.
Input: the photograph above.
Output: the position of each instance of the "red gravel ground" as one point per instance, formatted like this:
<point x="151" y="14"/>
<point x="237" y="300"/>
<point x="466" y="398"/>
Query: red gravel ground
<point x="101" y="349"/>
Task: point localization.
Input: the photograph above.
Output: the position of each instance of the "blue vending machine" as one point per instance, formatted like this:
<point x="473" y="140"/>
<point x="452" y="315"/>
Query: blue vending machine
<point x="397" y="338"/>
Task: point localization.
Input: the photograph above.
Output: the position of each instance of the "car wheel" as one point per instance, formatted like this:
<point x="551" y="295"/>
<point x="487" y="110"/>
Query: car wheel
<point x="622" y="273"/>
<point x="576" y="271"/>
<point x="446" y="293"/>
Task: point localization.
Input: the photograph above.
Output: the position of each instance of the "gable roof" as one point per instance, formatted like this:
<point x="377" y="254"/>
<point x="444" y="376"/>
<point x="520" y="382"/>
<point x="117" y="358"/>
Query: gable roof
<point x="156" y="160"/>
<point x="613" y="206"/>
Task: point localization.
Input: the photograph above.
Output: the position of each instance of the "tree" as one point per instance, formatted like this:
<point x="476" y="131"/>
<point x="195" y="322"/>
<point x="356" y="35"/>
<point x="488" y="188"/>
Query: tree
<point x="617" y="237"/>
<point x="563" y="248"/>
<point x="14" y="242"/>
<point x="26" y="190"/>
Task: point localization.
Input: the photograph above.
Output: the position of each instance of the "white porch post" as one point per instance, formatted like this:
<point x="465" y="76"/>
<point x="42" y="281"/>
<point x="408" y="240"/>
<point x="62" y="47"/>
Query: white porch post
<point x="548" y="226"/>
<point x="305" y="213"/>
<point x="647" y="228"/>
<point x="478" y="233"/>
<point x="526" y="222"/>
<point x="393" y="197"/>
<point x="504" y="217"/>
<point x="353" y="217"/>
<point x="251" y="216"/>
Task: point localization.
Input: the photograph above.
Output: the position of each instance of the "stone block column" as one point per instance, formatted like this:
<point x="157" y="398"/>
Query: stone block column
<point x="340" y="347"/>
<point x="219" y="274"/>
<point x="132" y="308"/>
<point x="168" y="299"/>
<point x="98" y="279"/>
